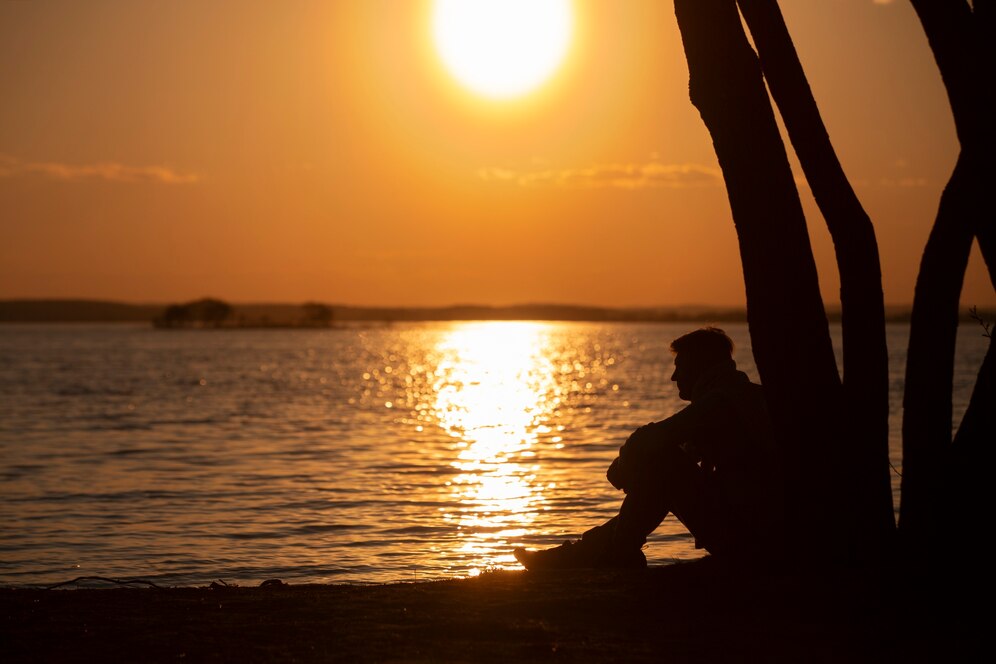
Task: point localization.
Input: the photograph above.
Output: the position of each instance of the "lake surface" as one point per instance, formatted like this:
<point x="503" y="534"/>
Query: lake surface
<point x="340" y="455"/>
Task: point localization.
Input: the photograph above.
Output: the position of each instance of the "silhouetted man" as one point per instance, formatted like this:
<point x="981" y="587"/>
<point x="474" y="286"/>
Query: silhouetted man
<point x="712" y="465"/>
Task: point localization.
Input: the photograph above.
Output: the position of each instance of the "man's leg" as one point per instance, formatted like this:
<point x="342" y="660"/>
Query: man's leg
<point x="667" y="480"/>
<point x="596" y="549"/>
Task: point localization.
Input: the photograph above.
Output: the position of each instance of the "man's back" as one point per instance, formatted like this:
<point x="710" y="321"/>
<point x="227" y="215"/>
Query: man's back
<point x="726" y="431"/>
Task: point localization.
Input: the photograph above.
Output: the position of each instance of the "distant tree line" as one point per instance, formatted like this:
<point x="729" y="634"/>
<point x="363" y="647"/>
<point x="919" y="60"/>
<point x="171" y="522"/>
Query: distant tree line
<point x="75" y="311"/>
<point x="315" y="314"/>
<point x="214" y="313"/>
<point x="206" y="312"/>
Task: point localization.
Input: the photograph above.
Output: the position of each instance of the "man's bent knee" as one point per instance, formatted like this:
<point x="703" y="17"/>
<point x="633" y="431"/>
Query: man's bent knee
<point x="667" y="464"/>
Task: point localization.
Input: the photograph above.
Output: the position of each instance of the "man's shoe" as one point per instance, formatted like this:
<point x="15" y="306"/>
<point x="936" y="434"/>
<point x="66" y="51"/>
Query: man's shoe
<point x="578" y="555"/>
<point x="569" y="555"/>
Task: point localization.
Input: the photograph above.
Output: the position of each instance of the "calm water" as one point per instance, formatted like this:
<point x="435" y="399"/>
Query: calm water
<point x="357" y="455"/>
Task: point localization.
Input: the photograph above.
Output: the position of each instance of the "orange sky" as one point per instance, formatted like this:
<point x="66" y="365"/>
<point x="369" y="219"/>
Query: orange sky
<point x="295" y="150"/>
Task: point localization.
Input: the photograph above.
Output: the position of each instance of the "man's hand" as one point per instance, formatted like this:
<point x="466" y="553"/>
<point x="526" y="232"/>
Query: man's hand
<point x="616" y="474"/>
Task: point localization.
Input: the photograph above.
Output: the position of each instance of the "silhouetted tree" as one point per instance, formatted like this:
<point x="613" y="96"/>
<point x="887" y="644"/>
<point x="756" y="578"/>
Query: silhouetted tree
<point x="940" y="478"/>
<point x="175" y="315"/>
<point x="207" y="312"/>
<point x="865" y="354"/>
<point x="317" y="314"/>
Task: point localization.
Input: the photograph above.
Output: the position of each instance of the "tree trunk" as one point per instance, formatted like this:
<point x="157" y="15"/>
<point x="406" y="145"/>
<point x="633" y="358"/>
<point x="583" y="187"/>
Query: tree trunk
<point x="961" y="37"/>
<point x="788" y="325"/>
<point x="963" y="40"/>
<point x="958" y="37"/>
<point x="930" y="364"/>
<point x="980" y="417"/>
<point x="968" y="472"/>
<point x="866" y="357"/>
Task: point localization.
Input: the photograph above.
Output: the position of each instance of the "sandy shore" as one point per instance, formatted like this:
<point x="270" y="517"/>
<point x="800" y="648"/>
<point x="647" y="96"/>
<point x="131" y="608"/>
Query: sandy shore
<point x="695" y="612"/>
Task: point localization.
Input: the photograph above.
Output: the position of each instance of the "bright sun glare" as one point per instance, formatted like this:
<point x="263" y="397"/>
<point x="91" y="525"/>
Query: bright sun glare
<point x="502" y="48"/>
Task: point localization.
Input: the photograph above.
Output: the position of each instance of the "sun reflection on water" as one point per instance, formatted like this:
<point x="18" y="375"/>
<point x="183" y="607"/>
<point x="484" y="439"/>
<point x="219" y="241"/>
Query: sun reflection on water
<point x="495" y="393"/>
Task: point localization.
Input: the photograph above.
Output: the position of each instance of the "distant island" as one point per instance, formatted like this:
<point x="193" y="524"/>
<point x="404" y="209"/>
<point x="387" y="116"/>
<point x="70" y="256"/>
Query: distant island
<point x="215" y="313"/>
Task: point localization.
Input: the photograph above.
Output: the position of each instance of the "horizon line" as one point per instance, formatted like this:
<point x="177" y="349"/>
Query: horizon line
<point x="455" y="305"/>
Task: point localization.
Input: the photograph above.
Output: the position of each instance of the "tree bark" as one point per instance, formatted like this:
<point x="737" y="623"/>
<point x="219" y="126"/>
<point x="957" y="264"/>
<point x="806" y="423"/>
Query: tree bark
<point x="961" y="38"/>
<point x="866" y="358"/>
<point x="951" y="31"/>
<point x="787" y="321"/>
<point x="927" y="410"/>
<point x="972" y="454"/>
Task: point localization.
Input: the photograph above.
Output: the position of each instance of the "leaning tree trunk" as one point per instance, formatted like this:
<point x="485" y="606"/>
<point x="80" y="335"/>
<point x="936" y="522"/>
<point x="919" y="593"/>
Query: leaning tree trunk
<point x="970" y="465"/>
<point x="866" y="356"/>
<point x="935" y="470"/>
<point x="788" y="325"/>
<point x="927" y="407"/>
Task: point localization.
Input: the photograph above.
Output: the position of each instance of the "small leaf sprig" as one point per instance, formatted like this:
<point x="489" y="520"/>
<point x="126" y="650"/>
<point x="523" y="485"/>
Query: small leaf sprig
<point x="986" y="327"/>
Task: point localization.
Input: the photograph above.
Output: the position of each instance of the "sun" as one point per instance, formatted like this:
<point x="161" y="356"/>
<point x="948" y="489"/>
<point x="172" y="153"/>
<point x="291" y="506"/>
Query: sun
<point x="502" y="49"/>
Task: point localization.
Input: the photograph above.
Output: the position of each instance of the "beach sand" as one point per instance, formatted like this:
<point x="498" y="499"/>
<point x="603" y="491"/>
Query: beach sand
<point x="691" y="612"/>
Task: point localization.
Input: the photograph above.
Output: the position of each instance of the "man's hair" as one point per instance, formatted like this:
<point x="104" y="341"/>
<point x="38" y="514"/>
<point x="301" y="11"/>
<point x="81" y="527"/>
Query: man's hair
<point x="706" y="345"/>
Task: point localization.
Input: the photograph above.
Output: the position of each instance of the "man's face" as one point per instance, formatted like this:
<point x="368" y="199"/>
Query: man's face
<point x="684" y="377"/>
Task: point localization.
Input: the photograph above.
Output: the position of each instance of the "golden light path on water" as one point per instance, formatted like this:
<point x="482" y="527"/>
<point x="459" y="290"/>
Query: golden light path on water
<point x="495" y="392"/>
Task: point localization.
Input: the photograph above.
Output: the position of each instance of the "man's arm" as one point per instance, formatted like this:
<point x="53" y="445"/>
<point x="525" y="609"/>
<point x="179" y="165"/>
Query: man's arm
<point x="644" y="443"/>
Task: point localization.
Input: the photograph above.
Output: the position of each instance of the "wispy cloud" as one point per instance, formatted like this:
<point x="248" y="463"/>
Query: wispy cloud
<point x="104" y="170"/>
<point x="648" y="175"/>
<point x="883" y="2"/>
<point x="903" y="182"/>
<point x="901" y="176"/>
